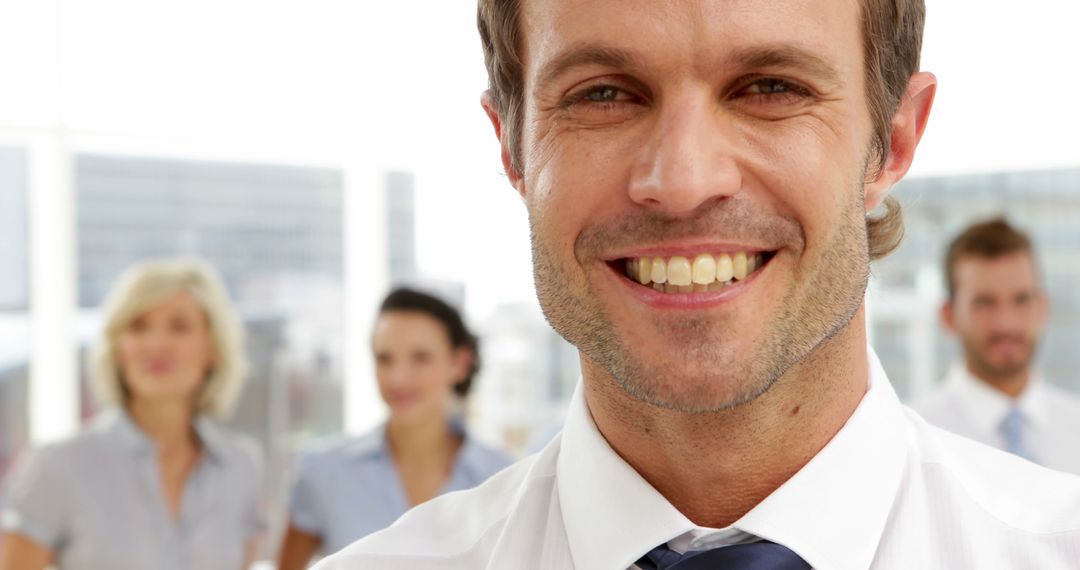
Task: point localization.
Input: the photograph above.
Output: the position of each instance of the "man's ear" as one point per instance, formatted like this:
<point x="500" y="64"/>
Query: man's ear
<point x="1044" y="306"/>
<point x="948" y="317"/>
<point x="908" y="125"/>
<point x="496" y="121"/>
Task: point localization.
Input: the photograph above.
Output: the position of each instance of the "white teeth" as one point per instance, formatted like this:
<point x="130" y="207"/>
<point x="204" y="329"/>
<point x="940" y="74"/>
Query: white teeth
<point x="724" y="270"/>
<point x="740" y="266"/>
<point x="704" y="269"/>
<point x="659" y="270"/>
<point x="703" y="273"/>
<point x="678" y="271"/>
<point x="644" y="274"/>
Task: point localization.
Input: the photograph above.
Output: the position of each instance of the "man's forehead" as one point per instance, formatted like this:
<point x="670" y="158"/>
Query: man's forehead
<point x="698" y="31"/>
<point x="1003" y="261"/>
<point x="996" y="272"/>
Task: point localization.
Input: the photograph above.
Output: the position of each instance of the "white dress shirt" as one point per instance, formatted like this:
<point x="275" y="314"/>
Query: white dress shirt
<point x="888" y="492"/>
<point x="967" y="406"/>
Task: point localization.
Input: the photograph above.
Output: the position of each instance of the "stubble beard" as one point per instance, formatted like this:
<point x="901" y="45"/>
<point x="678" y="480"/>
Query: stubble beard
<point x="830" y="295"/>
<point x="998" y="373"/>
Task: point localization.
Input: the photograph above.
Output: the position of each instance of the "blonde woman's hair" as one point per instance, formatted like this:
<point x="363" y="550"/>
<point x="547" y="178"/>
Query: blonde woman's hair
<point x="147" y="284"/>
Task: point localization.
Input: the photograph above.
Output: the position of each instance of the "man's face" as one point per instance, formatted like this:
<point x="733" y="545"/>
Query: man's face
<point x="998" y="312"/>
<point x="692" y="134"/>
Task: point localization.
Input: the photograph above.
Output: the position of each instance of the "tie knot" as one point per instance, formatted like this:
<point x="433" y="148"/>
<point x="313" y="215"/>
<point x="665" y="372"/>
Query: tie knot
<point x="1013" y="431"/>
<point x="1014" y="419"/>
<point x="763" y="555"/>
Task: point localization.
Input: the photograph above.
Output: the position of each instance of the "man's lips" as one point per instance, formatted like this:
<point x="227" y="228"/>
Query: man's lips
<point x="688" y="248"/>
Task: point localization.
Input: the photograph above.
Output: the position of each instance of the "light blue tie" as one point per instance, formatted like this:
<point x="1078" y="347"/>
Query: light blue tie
<point x="1013" y="427"/>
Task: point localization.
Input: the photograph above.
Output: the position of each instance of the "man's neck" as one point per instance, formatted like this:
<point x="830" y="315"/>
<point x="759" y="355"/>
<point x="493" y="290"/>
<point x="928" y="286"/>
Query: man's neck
<point x="715" y="467"/>
<point x="1012" y="386"/>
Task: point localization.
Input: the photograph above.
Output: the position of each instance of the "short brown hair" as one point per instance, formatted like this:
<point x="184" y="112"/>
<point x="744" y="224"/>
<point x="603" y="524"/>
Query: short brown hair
<point x="987" y="240"/>
<point x="892" y="42"/>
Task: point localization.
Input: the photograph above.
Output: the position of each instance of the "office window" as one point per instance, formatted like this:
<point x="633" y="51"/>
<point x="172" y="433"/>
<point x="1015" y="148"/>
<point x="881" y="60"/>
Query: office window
<point x="14" y="306"/>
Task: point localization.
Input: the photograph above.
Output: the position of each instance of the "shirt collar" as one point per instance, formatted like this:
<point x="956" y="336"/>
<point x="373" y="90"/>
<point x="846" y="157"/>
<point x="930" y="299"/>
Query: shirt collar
<point x="986" y="407"/>
<point x="372" y="444"/>
<point x="116" y="421"/>
<point x="612" y="515"/>
<point x="211" y="437"/>
<point x="832" y="512"/>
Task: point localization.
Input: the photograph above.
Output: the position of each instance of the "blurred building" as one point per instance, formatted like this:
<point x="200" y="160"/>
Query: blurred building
<point x="14" y="304"/>
<point x="13" y="236"/>
<point x="401" y="225"/>
<point x="402" y="268"/>
<point x="528" y="377"/>
<point x="908" y="286"/>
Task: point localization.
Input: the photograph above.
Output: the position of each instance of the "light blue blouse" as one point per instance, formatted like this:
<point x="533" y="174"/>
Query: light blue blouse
<point x="96" y="501"/>
<point x="347" y="489"/>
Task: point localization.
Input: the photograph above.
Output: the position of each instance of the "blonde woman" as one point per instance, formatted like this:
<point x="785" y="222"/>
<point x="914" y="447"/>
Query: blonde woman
<point x="154" y="482"/>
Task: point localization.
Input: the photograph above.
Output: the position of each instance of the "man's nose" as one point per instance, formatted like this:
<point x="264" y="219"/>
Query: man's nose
<point x="1010" y="319"/>
<point x="689" y="160"/>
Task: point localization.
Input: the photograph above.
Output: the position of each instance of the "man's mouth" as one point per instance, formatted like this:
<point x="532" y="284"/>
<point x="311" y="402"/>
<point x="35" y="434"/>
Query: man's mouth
<point x="702" y="273"/>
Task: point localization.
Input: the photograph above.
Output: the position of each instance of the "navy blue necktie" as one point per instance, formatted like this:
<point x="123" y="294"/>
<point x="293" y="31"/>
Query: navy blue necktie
<point x="762" y="555"/>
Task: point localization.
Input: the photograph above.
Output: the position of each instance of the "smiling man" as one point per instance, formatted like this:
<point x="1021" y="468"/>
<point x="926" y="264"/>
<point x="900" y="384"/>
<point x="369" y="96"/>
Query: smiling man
<point x="706" y="184"/>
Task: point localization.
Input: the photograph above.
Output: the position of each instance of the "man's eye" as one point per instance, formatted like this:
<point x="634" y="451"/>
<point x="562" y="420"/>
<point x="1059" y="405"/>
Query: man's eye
<point x="768" y="86"/>
<point x="603" y="94"/>
<point x="599" y="103"/>
<point x="773" y="88"/>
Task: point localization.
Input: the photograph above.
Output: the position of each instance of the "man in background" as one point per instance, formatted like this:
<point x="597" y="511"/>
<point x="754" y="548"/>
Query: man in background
<point x="997" y="309"/>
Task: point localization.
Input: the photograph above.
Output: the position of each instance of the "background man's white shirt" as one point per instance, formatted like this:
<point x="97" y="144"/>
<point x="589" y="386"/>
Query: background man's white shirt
<point x="969" y="407"/>
<point x="889" y="492"/>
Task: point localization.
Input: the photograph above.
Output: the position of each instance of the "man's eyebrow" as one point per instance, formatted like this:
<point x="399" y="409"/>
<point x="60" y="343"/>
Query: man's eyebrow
<point x="786" y="56"/>
<point x="584" y="54"/>
<point x="776" y="56"/>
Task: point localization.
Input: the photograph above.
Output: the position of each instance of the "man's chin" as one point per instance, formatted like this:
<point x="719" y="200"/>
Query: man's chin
<point x="693" y="391"/>
<point x="1006" y="369"/>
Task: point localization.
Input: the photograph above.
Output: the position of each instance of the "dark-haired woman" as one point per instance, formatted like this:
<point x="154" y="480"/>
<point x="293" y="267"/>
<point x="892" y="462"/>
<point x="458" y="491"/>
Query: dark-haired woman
<point x="425" y="360"/>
